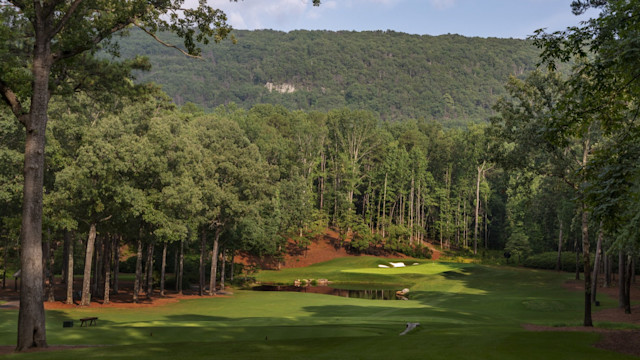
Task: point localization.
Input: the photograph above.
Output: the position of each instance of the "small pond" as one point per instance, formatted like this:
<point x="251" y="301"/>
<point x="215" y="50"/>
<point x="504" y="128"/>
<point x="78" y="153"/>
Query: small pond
<point x="371" y="294"/>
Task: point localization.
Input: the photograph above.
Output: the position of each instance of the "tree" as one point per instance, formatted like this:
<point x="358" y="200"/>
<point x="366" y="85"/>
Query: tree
<point x="51" y="51"/>
<point x="605" y="78"/>
<point x="544" y="134"/>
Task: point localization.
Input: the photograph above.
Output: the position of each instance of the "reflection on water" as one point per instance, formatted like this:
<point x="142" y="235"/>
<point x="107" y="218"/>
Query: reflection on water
<point x="327" y="290"/>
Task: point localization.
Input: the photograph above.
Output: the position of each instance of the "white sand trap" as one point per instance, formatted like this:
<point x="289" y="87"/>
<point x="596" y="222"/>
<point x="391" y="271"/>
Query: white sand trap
<point x="398" y="264"/>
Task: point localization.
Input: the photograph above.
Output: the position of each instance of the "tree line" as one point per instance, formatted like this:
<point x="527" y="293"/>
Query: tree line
<point x="124" y="165"/>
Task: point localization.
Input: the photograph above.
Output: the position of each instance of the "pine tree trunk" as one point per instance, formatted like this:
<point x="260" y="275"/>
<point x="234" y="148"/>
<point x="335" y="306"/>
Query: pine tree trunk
<point x="223" y="268"/>
<point x="596" y="266"/>
<point x="587" y="266"/>
<point x="149" y="286"/>
<point x="384" y="205"/>
<point x="627" y="285"/>
<point x="621" y="280"/>
<point x="97" y="269"/>
<point x="233" y="255"/>
<point x="203" y="243"/>
<point x="163" y="267"/>
<point x="68" y="240"/>
<point x="116" y="262"/>
<point x="411" y="200"/>
<point x="575" y="245"/>
<point x="559" y="259"/>
<point x="475" y="231"/>
<point x="107" y="269"/>
<point x="4" y="265"/>
<point x="607" y="269"/>
<point x="138" y="281"/>
<point x="145" y="271"/>
<point x="180" y="269"/>
<point x="214" y="262"/>
<point x="86" y="279"/>
<point x="323" y="168"/>
<point x="65" y="257"/>
<point x="175" y="266"/>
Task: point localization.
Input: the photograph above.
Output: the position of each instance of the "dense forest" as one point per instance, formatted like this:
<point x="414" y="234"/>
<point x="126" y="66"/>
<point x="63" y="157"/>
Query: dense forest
<point x="230" y="166"/>
<point x="451" y="78"/>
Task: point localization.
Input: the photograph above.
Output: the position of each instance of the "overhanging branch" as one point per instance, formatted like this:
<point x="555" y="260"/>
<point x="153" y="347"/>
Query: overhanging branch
<point x="156" y="38"/>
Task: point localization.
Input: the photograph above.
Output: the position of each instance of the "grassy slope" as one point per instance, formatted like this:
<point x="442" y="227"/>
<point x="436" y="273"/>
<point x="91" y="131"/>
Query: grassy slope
<point x="465" y="311"/>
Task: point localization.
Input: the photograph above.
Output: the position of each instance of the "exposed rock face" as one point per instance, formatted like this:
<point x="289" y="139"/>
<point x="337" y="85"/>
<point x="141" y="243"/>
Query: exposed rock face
<point x="282" y="88"/>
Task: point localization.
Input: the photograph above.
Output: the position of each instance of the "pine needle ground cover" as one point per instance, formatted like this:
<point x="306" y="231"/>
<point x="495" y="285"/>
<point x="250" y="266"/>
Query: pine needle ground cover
<point x="464" y="311"/>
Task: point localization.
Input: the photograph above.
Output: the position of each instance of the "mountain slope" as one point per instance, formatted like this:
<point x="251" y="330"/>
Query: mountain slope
<point x="452" y="78"/>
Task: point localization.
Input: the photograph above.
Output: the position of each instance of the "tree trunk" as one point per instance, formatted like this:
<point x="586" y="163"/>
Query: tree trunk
<point x="475" y="230"/>
<point x="65" y="257"/>
<point x="575" y="245"/>
<point x="138" y="281"/>
<point x="587" y="267"/>
<point x="203" y="244"/>
<point x="145" y="271"/>
<point x="214" y="262"/>
<point x="384" y="205"/>
<point x="107" y="269"/>
<point x="180" y="269"/>
<point x="68" y="240"/>
<point x="175" y="267"/>
<point x="163" y="267"/>
<point x="97" y="268"/>
<point x="116" y="262"/>
<point x="559" y="259"/>
<point x="4" y="265"/>
<point x="621" y="279"/>
<point x="411" y="204"/>
<point x="149" y="286"/>
<point x="627" y="285"/>
<point x="222" y="268"/>
<point x="323" y="168"/>
<point x="233" y="255"/>
<point x="31" y="316"/>
<point x="49" y="268"/>
<point x="88" y="258"/>
<point x="596" y="266"/>
<point x="607" y="269"/>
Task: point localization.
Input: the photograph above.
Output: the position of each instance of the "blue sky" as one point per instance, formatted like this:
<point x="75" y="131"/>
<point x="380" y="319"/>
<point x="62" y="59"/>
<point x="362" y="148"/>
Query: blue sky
<point x="484" y="18"/>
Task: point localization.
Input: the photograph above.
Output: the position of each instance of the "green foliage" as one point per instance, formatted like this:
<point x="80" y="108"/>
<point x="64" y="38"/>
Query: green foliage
<point x="548" y="261"/>
<point x="518" y="244"/>
<point x="395" y="75"/>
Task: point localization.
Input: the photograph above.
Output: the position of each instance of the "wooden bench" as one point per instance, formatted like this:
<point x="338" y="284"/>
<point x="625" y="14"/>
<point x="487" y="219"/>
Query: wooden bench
<point x="88" y="320"/>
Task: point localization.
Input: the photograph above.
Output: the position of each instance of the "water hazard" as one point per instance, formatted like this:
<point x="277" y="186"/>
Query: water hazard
<point x="371" y="294"/>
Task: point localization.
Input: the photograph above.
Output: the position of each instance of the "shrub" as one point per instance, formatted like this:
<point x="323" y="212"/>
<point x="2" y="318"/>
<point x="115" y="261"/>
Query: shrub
<point x="547" y="260"/>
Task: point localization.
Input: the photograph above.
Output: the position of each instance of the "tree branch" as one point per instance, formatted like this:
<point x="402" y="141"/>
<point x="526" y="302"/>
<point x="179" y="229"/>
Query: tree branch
<point x="164" y="43"/>
<point x="95" y="41"/>
<point x="65" y="18"/>
<point x="12" y="100"/>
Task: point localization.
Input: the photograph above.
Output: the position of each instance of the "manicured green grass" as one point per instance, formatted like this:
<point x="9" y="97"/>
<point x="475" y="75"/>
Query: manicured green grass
<point x="465" y="311"/>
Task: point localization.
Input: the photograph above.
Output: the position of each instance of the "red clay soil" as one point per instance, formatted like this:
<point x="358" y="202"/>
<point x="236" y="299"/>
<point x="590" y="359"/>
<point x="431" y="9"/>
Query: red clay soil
<point x="323" y="248"/>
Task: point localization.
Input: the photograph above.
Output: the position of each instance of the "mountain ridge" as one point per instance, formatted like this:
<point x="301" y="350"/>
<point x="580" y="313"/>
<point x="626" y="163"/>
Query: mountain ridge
<point x="450" y="78"/>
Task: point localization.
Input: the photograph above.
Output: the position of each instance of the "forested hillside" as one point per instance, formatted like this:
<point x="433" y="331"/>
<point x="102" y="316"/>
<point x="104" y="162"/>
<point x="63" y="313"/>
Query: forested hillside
<point x="450" y="78"/>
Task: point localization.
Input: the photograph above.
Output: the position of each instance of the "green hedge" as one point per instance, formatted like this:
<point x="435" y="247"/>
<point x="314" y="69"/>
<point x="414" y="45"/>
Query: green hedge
<point x="548" y="261"/>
